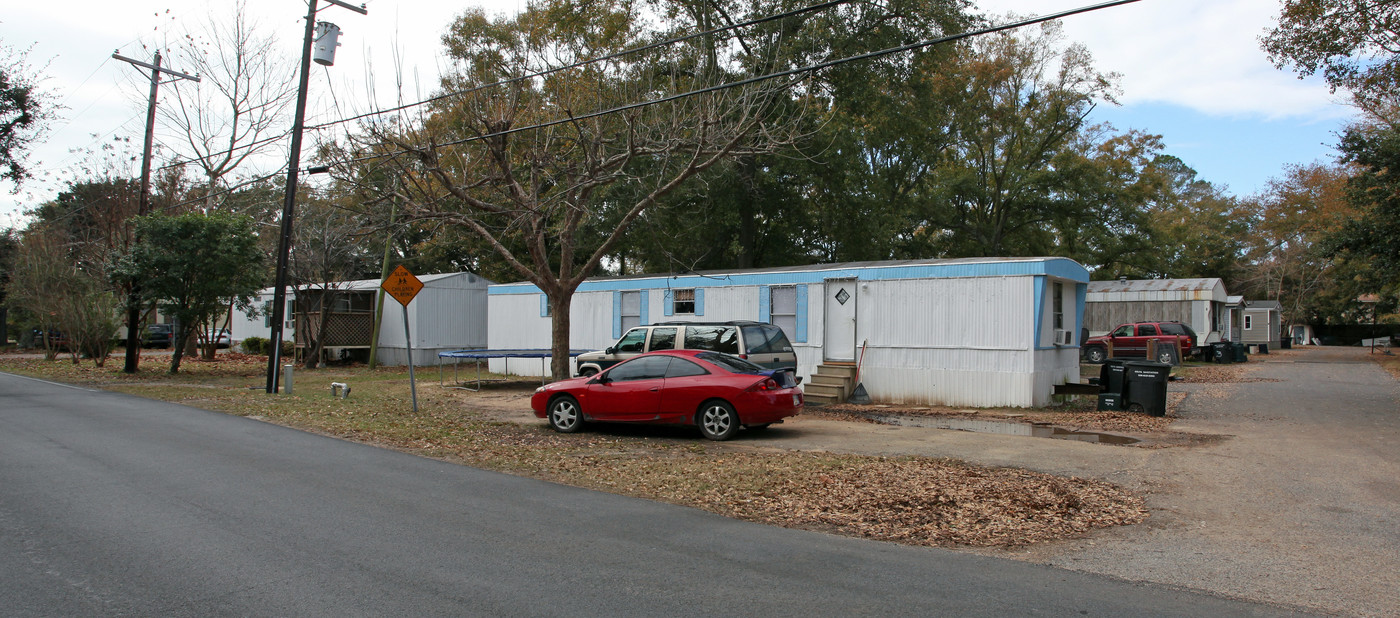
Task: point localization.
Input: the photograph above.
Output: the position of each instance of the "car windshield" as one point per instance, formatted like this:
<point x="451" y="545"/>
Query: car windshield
<point x="733" y="364"/>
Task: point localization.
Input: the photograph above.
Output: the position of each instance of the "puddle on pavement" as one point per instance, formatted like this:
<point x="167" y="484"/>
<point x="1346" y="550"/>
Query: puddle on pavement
<point x="1004" y="428"/>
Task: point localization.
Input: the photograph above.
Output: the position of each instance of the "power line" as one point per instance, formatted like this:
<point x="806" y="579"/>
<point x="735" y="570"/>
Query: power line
<point x="752" y="80"/>
<point x="583" y="63"/>
<point x="635" y="50"/>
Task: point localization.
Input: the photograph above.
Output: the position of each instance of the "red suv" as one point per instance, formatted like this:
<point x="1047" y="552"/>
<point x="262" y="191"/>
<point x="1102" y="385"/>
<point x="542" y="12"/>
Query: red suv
<point x="1130" y="340"/>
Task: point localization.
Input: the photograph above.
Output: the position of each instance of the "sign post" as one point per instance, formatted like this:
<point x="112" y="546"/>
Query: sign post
<point x="403" y="286"/>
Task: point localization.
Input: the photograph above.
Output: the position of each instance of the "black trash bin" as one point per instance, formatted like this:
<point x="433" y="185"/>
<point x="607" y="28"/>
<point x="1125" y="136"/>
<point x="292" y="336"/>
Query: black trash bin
<point x="1221" y="352"/>
<point x="1111" y="376"/>
<point x="1241" y="352"/>
<point x="1110" y="401"/>
<point x="1146" y="387"/>
<point x="1286" y="343"/>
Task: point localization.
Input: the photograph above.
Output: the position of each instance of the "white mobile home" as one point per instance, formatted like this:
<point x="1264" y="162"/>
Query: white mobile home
<point x="1198" y="303"/>
<point x="977" y="332"/>
<point x="449" y="313"/>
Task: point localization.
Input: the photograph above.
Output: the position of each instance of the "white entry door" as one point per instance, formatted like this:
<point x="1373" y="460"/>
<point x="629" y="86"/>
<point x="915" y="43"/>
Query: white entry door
<point x="839" y="342"/>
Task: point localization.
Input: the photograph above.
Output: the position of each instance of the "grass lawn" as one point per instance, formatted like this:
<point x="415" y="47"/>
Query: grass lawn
<point x="913" y="500"/>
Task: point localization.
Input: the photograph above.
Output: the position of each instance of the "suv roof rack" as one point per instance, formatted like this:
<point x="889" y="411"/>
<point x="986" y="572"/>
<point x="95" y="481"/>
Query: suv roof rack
<point x="691" y="323"/>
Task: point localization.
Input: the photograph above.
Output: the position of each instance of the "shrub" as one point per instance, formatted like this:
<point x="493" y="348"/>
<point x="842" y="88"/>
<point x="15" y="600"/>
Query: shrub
<point x="255" y="345"/>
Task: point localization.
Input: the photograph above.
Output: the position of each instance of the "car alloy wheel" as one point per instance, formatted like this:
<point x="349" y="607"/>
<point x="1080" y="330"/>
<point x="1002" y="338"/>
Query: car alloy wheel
<point x="564" y="415"/>
<point x="718" y="421"/>
<point x="1095" y="355"/>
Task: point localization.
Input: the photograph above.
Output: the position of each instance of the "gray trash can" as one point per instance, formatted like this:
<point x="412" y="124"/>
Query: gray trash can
<point x="1145" y="387"/>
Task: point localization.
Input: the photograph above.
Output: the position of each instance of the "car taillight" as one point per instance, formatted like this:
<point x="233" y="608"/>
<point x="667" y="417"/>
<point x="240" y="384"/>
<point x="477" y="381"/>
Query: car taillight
<point x="767" y="384"/>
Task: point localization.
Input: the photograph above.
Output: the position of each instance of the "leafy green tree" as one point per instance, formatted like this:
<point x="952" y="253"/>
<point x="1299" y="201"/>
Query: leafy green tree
<point x="1372" y="236"/>
<point x="1288" y="259"/>
<point x="191" y="265"/>
<point x="529" y="194"/>
<point x="1353" y="43"/>
<point x="1025" y="98"/>
<point x="25" y="111"/>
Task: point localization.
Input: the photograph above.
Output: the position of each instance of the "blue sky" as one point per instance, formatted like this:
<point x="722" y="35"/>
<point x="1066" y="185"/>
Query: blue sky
<point x="1191" y="71"/>
<point x="1239" y="152"/>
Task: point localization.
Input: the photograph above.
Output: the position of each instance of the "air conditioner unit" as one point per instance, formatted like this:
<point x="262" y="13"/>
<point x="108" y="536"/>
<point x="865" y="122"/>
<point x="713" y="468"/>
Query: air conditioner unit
<point x="1063" y="337"/>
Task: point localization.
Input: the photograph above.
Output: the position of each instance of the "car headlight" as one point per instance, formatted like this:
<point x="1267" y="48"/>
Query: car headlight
<point x="539" y="390"/>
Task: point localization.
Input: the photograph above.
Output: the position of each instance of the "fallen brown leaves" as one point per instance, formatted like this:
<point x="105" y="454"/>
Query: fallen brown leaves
<point x="936" y="502"/>
<point x="912" y="500"/>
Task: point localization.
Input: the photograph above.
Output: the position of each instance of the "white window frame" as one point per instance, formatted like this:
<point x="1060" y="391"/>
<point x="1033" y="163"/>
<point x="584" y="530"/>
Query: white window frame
<point x="677" y="300"/>
<point x="783" y="317"/>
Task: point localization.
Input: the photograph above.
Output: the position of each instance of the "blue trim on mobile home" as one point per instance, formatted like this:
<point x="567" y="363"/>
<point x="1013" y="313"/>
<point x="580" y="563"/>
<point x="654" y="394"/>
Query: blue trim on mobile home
<point x="1063" y="268"/>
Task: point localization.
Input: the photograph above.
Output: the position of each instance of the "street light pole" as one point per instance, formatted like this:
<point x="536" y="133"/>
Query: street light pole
<point x="284" y="244"/>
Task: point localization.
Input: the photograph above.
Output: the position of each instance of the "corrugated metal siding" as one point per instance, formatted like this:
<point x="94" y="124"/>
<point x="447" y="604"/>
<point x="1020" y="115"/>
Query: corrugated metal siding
<point x="1101" y="317"/>
<point x="985" y="313"/>
<point x="1158" y="289"/>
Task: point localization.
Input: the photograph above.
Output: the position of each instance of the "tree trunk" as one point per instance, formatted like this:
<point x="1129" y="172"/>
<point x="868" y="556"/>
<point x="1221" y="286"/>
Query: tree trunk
<point x="559" y="335"/>
<point x="182" y="336"/>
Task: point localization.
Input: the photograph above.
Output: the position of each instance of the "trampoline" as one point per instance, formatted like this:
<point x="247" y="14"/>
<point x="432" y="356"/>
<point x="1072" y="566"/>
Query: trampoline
<point x="480" y="355"/>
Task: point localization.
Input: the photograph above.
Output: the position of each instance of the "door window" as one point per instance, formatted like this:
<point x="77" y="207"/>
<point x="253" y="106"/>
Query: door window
<point x="663" y="339"/>
<point x="641" y="368"/>
<point x="1124" y="331"/>
<point x="1146" y="330"/>
<point x="634" y="341"/>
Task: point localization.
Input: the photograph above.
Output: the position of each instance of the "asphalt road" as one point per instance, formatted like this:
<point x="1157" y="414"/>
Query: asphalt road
<point x="115" y="505"/>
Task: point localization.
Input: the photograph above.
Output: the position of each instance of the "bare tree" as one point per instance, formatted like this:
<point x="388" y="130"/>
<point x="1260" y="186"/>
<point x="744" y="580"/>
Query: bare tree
<point x="551" y="168"/>
<point x="239" y="107"/>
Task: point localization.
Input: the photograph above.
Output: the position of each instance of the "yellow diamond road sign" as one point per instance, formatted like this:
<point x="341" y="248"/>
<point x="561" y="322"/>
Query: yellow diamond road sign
<point x="402" y="285"/>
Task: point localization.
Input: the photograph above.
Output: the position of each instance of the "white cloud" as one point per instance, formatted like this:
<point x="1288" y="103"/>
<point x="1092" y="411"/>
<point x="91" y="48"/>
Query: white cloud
<point x="1200" y="54"/>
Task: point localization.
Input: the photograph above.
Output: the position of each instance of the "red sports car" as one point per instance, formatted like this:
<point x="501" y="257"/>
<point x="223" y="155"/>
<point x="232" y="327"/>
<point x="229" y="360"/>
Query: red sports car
<point x="716" y="392"/>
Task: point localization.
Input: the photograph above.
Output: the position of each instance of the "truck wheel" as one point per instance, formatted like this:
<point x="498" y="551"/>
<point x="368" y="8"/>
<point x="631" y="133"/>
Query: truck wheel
<point x="1095" y="354"/>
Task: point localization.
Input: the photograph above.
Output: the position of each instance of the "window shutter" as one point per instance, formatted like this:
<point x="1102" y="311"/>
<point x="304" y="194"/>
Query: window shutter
<point x="544" y="305"/>
<point x="765" y="303"/>
<point x="645" y="306"/>
<point x="617" y="314"/>
<point x="699" y="301"/>
<point x="670" y="308"/>
<point x="801" y="334"/>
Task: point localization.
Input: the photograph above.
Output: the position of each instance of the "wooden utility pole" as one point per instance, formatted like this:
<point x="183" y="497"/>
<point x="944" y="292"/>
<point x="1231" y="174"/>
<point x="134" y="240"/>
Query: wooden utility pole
<point x="133" y="305"/>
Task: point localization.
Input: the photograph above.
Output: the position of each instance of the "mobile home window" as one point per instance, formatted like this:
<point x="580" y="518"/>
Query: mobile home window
<point x="631" y="310"/>
<point x="1248" y="322"/>
<point x="1059" y="305"/>
<point x="683" y="302"/>
<point x="782" y="305"/>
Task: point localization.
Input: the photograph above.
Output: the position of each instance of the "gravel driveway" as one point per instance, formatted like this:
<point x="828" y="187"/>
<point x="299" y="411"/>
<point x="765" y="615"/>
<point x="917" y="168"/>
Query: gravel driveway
<point x="1292" y="496"/>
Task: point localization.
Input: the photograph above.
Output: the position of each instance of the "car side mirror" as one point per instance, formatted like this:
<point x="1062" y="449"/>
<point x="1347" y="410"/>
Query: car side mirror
<point x="799" y="380"/>
<point x="601" y="378"/>
<point x="611" y="350"/>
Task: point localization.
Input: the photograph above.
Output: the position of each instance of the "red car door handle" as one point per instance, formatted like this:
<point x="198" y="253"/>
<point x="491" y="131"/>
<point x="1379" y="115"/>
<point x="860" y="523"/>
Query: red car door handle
<point x="655" y="389"/>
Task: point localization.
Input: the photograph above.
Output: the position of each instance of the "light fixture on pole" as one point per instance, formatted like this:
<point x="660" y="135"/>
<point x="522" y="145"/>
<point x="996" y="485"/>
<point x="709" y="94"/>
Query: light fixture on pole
<point x="325" y="55"/>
